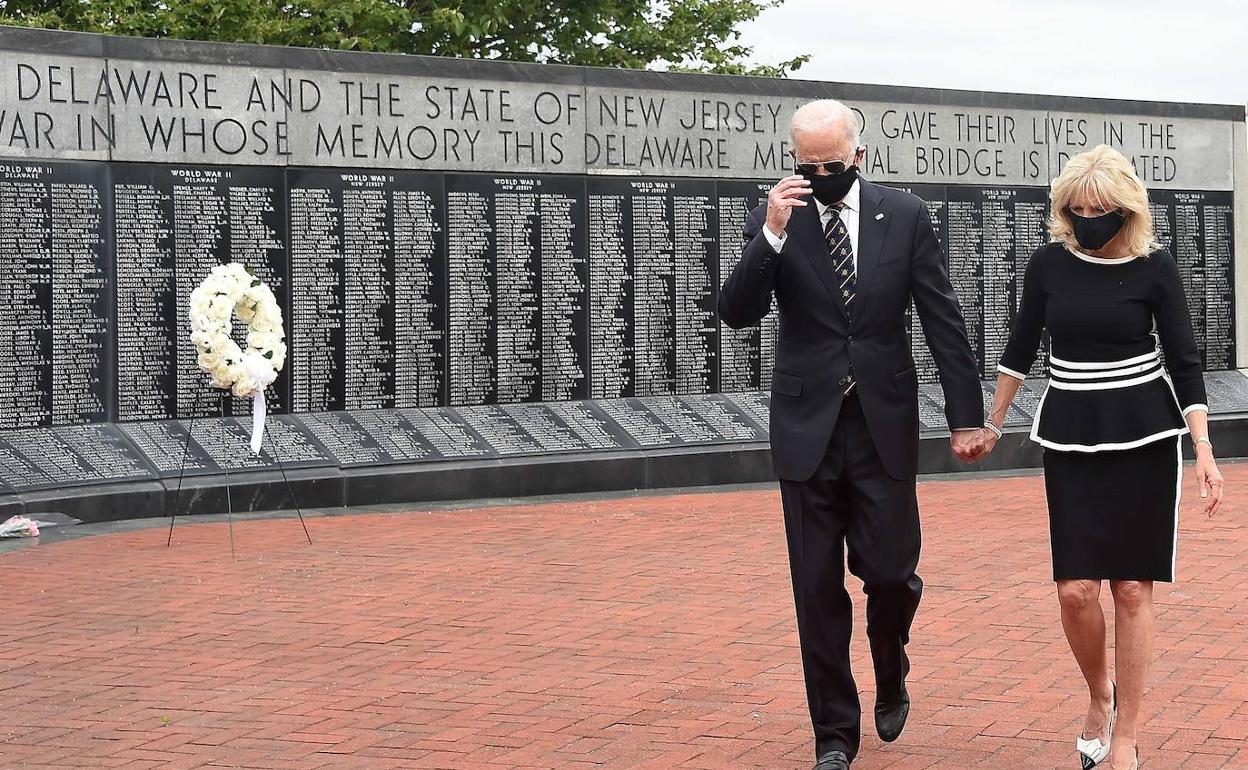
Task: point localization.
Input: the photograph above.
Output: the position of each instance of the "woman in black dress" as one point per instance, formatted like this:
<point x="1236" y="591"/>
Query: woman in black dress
<point x="1111" y="422"/>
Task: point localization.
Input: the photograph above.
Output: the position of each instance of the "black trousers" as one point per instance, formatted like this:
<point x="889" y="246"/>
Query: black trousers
<point x="851" y="501"/>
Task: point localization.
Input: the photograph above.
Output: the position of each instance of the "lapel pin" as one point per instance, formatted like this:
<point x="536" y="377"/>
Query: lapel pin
<point x="878" y="217"/>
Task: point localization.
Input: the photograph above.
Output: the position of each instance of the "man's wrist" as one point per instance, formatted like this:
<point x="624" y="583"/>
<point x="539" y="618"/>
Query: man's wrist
<point x="775" y="241"/>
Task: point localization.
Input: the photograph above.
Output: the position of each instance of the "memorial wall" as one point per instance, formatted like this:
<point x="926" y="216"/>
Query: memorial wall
<point x="481" y="259"/>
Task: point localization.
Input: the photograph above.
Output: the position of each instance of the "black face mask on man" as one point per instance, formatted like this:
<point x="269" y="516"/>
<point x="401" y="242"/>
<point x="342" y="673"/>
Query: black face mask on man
<point x="1093" y="233"/>
<point x="829" y="189"/>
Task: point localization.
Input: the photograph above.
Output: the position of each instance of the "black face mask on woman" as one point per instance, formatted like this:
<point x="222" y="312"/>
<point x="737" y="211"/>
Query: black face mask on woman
<point x="831" y="188"/>
<point x="1093" y="233"/>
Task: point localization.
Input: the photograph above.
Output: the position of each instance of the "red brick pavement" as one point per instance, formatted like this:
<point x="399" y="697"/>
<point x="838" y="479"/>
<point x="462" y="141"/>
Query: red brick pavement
<point x="646" y="632"/>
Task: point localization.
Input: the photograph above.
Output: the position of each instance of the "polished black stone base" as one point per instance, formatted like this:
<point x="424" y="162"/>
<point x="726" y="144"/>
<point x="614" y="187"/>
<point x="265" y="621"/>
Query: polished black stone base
<point x="328" y="487"/>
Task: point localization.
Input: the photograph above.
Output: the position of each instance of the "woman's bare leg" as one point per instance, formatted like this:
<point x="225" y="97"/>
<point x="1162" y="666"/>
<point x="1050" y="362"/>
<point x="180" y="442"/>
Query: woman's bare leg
<point x="1083" y="620"/>
<point x="1133" y="637"/>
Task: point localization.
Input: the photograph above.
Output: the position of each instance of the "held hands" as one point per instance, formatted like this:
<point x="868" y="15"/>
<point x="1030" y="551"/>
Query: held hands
<point x="972" y="444"/>
<point x="1208" y="479"/>
<point x="782" y="199"/>
<point x="990" y="442"/>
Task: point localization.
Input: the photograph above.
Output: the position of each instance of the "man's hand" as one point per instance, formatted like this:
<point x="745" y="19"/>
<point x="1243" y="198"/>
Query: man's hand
<point x="969" y="445"/>
<point x="786" y="195"/>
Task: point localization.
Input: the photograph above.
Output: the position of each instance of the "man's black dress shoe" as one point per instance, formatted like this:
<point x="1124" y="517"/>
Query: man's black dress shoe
<point x="891" y="713"/>
<point x="832" y="760"/>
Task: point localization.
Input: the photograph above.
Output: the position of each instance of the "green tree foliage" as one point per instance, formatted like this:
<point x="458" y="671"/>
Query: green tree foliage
<point x="690" y="35"/>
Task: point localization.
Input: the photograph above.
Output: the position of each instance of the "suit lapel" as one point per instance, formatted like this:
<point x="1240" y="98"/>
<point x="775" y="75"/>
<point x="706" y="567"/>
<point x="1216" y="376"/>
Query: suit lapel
<point x="872" y="227"/>
<point x="807" y="232"/>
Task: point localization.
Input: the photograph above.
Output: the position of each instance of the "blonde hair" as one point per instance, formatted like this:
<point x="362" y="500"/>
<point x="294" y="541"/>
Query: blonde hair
<point x="1105" y="176"/>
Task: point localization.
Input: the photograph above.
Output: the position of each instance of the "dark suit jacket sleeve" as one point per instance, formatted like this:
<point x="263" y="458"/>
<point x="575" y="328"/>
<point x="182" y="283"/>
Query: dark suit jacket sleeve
<point x="746" y="295"/>
<point x="944" y="328"/>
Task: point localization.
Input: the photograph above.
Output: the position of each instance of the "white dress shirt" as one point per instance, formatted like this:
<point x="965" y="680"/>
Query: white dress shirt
<point x="849" y="215"/>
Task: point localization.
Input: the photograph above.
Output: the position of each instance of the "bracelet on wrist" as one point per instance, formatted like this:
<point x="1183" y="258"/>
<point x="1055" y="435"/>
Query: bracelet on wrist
<point x="992" y="428"/>
<point x="1196" y="442"/>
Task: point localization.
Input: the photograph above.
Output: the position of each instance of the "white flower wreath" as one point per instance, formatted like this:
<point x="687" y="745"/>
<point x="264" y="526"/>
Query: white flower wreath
<point x="227" y="290"/>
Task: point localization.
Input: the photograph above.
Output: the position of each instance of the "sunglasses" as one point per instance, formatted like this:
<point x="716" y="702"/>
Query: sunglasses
<point x="831" y="166"/>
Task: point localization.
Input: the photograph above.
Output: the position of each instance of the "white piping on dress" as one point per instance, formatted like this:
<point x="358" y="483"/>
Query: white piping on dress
<point x="1035" y="419"/>
<point x="1055" y="383"/>
<point x="1103" y="260"/>
<point x="1094" y="375"/>
<point x="1174" y="394"/>
<point x="1055" y="361"/>
<point x="1178" y="495"/>
<point x="1139" y="442"/>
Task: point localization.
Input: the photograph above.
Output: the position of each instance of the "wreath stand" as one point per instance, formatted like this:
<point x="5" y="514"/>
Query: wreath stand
<point x="224" y="397"/>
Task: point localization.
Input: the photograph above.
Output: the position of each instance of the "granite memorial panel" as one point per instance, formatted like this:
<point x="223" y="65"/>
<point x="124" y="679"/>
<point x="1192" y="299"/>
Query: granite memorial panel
<point x="368" y="290"/>
<point x="1196" y="227"/>
<point x="652" y="262"/>
<point x="746" y="356"/>
<point x="55" y="343"/>
<point x="517" y="309"/>
<point x="69" y="456"/>
<point x="171" y="226"/>
<point x="395" y="436"/>
<point x="220" y="445"/>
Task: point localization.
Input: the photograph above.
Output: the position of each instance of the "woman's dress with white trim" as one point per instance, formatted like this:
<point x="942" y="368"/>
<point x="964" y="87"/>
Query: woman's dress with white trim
<point x="1125" y="370"/>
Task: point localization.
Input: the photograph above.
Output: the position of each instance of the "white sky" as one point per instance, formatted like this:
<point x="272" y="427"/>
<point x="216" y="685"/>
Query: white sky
<point x="1157" y="50"/>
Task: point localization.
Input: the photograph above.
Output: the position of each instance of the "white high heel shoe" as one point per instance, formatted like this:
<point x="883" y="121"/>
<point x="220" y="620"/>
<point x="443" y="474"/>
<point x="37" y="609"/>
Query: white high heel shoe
<point x="1092" y="751"/>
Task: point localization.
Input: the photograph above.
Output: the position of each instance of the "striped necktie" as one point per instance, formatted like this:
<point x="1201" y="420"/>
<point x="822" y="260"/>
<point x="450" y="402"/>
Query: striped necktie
<point x="841" y="251"/>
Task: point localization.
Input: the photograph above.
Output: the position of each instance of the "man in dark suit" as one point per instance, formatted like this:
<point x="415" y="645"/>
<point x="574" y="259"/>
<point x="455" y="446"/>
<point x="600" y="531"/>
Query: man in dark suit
<point x="844" y="258"/>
